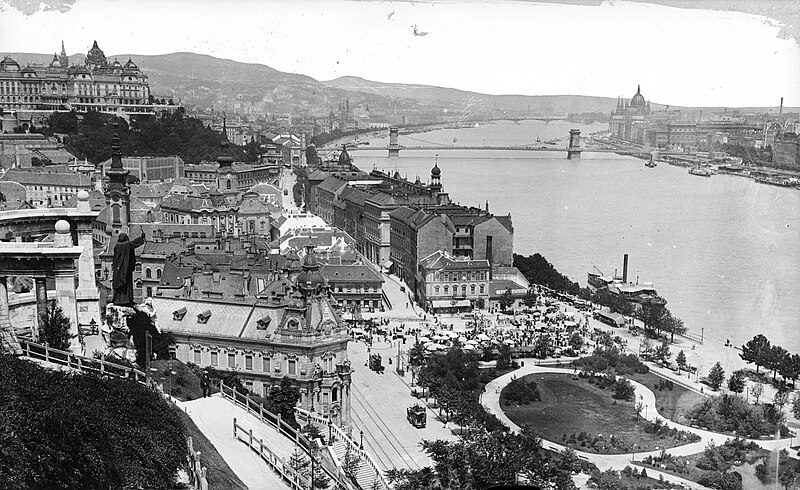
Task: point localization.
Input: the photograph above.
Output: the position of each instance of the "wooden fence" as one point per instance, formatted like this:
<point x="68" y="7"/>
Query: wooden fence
<point x="276" y="422"/>
<point x="197" y="472"/>
<point x="295" y="480"/>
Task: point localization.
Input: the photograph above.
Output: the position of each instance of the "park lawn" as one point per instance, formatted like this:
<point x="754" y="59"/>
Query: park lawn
<point x="672" y="404"/>
<point x="218" y="474"/>
<point x="570" y="406"/>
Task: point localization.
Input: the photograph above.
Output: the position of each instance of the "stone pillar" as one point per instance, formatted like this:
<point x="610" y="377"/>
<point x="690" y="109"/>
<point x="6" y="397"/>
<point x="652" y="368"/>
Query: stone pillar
<point x="8" y="337"/>
<point x="41" y="299"/>
<point x="65" y="285"/>
<point x="87" y="294"/>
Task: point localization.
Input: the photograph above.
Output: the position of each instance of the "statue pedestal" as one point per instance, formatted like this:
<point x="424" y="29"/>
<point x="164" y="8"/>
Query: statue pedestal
<point x="88" y="300"/>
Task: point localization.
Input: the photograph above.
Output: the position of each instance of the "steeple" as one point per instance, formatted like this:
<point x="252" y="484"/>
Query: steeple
<point x="118" y="194"/>
<point x="63" y="59"/>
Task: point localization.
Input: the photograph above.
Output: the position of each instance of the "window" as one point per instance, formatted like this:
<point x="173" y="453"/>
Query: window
<point x="248" y="362"/>
<point x="214" y="358"/>
<point x="158" y="273"/>
<point x="138" y="267"/>
<point x="266" y="364"/>
<point x="471" y="289"/>
<point x="231" y="360"/>
<point x="228" y="184"/>
<point x="464" y="289"/>
<point x="436" y="290"/>
<point x="325" y="398"/>
<point x="149" y="291"/>
<point x="446" y="289"/>
<point x="334" y="394"/>
<point x="482" y="288"/>
<point x="148" y="273"/>
<point x="292" y="367"/>
<point x="173" y="351"/>
<point x="197" y="356"/>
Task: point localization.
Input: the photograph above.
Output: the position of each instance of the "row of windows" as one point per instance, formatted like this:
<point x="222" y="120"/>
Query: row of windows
<point x="446" y="289"/>
<point x="460" y="276"/>
<point x="267" y="366"/>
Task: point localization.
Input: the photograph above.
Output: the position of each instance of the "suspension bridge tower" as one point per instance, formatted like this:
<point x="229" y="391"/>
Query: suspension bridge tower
<point x="574" y="148"/>
<point x="394" y="146"/>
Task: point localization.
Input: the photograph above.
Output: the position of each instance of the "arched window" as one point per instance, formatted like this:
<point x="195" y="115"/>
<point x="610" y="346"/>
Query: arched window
<point x="228" y="184"/>
<point x="147" y="273"/>
<point x="158" y="276"/>
<point x="446" y="289"/>
<point x="471" y="289"/>
<point x="116" y="215"/>
<point x="436" y="290"/>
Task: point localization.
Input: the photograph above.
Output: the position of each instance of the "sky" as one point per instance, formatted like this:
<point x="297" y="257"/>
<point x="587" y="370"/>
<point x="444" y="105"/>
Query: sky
<point x="682" y="57"/>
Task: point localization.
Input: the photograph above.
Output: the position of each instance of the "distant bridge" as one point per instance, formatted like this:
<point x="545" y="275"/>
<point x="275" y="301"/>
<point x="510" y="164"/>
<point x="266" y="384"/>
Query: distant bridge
<point x="635" y="151"/>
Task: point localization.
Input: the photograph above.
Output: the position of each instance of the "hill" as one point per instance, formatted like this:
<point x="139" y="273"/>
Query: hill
<point x="472" y="101"/>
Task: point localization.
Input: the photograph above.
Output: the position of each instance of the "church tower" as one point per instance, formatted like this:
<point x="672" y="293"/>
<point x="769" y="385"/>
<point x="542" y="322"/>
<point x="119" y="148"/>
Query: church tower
<point x="436" y="182"/>
<point x="118" y="194"/>
<point x="227" y="181"/>
<point x="63" y="59"/>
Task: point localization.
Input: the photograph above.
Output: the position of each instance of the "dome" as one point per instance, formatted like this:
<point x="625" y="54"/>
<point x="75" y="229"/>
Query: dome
<point x="638" y="99"/>
<point x="436" y="171"/>
<point x="344" y="157"/>
<point x="55" y="63"/>
<point x="311" y="280"/>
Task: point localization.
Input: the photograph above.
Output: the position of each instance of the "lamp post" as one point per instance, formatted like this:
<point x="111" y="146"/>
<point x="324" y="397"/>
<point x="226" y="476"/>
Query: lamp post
<point x="645" y="412"/>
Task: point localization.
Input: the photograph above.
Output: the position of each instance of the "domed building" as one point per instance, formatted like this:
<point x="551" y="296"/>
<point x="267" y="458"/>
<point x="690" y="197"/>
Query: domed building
<point x="97" y="85"/>
<point x="627" y="120"/>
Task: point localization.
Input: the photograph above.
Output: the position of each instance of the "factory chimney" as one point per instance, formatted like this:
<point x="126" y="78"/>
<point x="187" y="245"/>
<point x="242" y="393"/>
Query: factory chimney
<point x="780" y="114"/>
<point x="625" y="269"/>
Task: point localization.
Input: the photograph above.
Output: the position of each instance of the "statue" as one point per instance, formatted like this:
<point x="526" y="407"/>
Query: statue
<point x="124" y="264"/>
<point x="317" y="374"/>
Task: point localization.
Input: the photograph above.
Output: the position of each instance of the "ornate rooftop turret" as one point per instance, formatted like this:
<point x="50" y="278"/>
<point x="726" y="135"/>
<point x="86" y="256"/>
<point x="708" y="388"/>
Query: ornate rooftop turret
<point x="118" y="194"/>
<point x="638" y="98"/>
<point x="95" y="57"/>
<point x="224" y="160"/>
<point x="63" y="59"/>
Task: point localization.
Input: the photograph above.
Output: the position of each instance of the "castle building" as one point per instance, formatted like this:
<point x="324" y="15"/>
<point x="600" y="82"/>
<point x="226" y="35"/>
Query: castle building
<point x="99" y="85"/>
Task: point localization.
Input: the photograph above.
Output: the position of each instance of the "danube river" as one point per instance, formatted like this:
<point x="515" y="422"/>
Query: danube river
<point x="724" y="251"/>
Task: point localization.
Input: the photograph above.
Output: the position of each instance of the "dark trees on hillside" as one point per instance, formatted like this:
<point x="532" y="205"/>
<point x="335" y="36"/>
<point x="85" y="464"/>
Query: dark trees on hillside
<point x="538" y="270"/>
<point x="91" y="134"/>
<point x="66" y="430"/>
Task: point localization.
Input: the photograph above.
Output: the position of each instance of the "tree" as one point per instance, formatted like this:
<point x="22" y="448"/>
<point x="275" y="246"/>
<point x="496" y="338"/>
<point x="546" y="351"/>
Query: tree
<point x="716" y="376"/>
<point x="283" y="399"/>
<point x="754" y="351"/>
<point x="673" y="325"/>
<point x="623" y="390"/>
<point x="652" y="315"/>
<point x="312" y="159"/>
<point x="790" y="368"/>
<point x="503" y="356"/>
<point x="757" y="390"/>
<point x="796" y="406"/>
<point x="775" y="358"/>
<point x="416" y="359"/>
<point x="680" y="360"/>
<point x="663" y="353"/>
<point x="736" y="381"/>
<point x="351" y="462"/>
<point x="54" y="329"/>
<point x="576" y="341"/>
<point x="506" y="300"/>
<point x="530" y="298"/>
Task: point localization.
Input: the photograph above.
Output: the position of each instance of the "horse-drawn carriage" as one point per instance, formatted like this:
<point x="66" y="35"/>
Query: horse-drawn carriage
<point x="375" y="363"/>
<point x="416" y="416"/>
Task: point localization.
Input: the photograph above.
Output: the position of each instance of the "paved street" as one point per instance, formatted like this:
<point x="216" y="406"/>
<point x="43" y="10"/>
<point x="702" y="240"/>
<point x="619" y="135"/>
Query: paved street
<point x="379" y="403"/>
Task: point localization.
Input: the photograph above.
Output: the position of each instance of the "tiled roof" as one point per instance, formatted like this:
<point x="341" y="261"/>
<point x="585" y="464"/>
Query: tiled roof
<point x="346" y="273"/>
<point x="441" y="261"/>
<point x="227" y="319"/>
<point x="332" y="184"/>
<point x="24" y="177"/>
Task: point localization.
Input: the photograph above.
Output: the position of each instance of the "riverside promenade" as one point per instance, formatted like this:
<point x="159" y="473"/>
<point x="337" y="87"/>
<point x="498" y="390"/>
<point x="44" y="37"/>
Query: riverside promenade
<point x="490" y="400"/>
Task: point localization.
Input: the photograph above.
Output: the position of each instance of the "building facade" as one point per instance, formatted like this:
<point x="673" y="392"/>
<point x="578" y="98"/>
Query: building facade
<point x="98" y="85"/>
<point x="449" y="284"/>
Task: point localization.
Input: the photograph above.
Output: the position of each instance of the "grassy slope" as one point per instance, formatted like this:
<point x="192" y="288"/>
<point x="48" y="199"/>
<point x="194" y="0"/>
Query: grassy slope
<point x="219" y="474"/>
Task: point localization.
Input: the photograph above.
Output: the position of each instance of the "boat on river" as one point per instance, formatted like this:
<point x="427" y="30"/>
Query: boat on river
<point x="701" y="171"/>
<point x="651" y="164"/>
<point x="774" y="181"/>
<point x="638" y="292"/>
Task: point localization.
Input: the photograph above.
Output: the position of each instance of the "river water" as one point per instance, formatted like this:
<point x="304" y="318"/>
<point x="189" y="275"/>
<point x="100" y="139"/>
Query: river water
<point x="724" y="251"/>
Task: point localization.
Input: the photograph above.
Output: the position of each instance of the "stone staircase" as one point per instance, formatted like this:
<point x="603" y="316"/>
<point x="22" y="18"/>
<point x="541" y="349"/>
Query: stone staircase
<point x="367" y="474"/>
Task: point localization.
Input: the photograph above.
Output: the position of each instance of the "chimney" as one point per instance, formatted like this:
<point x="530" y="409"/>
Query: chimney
<point x="780" y="114"/>
<point x="625" y="269"/>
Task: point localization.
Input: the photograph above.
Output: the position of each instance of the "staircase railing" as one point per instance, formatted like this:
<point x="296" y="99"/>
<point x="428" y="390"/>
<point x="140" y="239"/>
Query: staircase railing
<point x="82" y="363"/>
<point x="275" y="421"/>
<point x="339" y="433"/>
